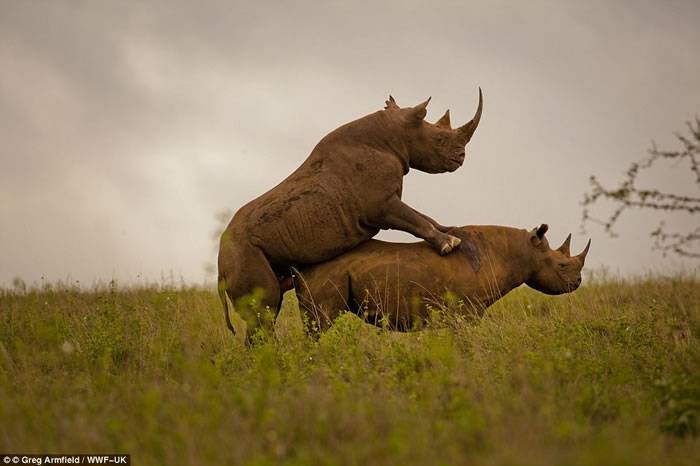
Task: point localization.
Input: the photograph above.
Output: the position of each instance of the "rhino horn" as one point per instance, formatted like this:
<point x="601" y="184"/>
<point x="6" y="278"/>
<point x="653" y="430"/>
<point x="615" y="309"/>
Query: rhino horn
<point x="444" y="121"/>
<point x="565" y="247"/>
<point x="391" y="103"/>
<point x="419" y="111"/>
<point x="467" y="131"/>
<point x="584" y="253"/>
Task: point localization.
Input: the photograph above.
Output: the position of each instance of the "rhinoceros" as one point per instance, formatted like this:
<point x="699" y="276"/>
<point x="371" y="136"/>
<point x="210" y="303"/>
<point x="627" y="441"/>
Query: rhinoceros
<point x="341" y="196"/>
<point x="395" y="283"/>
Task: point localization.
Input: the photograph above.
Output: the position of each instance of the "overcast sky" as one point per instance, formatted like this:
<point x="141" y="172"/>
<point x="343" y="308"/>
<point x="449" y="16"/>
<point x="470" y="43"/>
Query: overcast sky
<point x="125" y="127"/>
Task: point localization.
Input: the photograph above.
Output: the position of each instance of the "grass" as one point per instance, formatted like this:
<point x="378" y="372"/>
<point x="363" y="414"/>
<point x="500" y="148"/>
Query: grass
<point x="607" y="375"/>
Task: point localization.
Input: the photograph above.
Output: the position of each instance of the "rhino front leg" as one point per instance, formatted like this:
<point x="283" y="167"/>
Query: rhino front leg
<point x="440" y="227"/>
<point x="399" y="216"/>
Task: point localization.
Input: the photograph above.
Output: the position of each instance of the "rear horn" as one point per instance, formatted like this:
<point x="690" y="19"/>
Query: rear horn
<point x="565" y="247"/>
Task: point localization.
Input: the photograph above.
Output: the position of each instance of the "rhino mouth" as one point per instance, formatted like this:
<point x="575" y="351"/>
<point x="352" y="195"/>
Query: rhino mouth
<point x="573" y="285"/>
<point x="458" y="159"/>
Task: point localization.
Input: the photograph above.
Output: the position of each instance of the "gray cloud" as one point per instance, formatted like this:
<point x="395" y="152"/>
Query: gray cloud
<point x="126" y="126"/>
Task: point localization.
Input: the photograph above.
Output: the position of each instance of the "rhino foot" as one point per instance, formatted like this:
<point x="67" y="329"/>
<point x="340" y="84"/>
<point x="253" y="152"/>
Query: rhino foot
<point x="449" y="244"/>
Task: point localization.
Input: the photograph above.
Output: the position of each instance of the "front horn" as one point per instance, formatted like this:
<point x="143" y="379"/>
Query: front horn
<point x="583" y="254"/>
<point x="467" y="130"/>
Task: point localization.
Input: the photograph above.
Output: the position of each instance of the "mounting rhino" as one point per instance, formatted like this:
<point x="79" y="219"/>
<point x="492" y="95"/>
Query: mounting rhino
<point x="347" y="190"/>
<point x="393" y="284"/>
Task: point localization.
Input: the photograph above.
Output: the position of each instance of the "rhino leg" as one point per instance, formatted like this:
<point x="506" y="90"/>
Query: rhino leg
<point x="322" y="300"/>
<point x="400" y="216"/>
<point x="251" y="285"/>
<point x="440" y="227"/>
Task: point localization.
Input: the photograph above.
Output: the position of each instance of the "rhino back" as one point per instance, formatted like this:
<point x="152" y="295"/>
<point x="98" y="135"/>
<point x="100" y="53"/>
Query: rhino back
<point x="402" y="277"/>
<point x="323" y="208"/>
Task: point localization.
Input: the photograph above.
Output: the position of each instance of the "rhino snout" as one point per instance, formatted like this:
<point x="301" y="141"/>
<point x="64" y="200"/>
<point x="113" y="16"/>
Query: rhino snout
<point x="456" y="161"/>
<point x="573" y="285"/>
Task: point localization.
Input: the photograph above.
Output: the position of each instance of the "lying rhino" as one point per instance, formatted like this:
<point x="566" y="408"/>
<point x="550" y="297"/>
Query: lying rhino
<point x="341" y="196"/>
<point x="393" y="282"/>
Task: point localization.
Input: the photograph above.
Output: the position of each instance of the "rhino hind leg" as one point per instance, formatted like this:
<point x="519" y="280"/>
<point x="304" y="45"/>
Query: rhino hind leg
<point x="251" y="285"/>
<point x="322" y="301"/>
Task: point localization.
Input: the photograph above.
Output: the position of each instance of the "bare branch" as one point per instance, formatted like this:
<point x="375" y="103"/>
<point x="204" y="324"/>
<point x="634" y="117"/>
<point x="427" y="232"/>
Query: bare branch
<point x="628" y="196"/>
<point x="683" y="244"/>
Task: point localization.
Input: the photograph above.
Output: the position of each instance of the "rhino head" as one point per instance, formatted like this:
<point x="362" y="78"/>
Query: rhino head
<point x="432" y="148"/>
<point x="555" y="271"/>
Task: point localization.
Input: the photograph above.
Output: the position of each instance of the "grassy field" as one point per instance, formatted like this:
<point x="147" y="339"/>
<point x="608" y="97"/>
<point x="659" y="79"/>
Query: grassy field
<point x="608" y="375"/>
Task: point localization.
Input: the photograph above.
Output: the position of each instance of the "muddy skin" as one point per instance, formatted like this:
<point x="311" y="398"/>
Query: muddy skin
<point x="347" y="190"/>
<point x="393" y="283"/>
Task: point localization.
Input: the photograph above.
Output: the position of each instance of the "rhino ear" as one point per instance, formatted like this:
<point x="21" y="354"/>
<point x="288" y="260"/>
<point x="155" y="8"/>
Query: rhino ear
<point x="391" y="104"/>
<point x="537" y="234"/>
<point x="417" y="113"/>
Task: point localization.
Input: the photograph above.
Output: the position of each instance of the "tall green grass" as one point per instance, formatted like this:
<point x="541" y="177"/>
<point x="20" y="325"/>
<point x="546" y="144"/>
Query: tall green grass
<point x="607" y="375"/>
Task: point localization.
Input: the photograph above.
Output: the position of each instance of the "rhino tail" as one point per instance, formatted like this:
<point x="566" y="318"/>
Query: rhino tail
<point x="223" y="296"/>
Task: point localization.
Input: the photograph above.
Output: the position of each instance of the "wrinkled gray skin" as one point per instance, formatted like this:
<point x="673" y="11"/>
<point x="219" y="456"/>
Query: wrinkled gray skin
<point x="341" y="196"/>
<point x="393" y="283"/>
